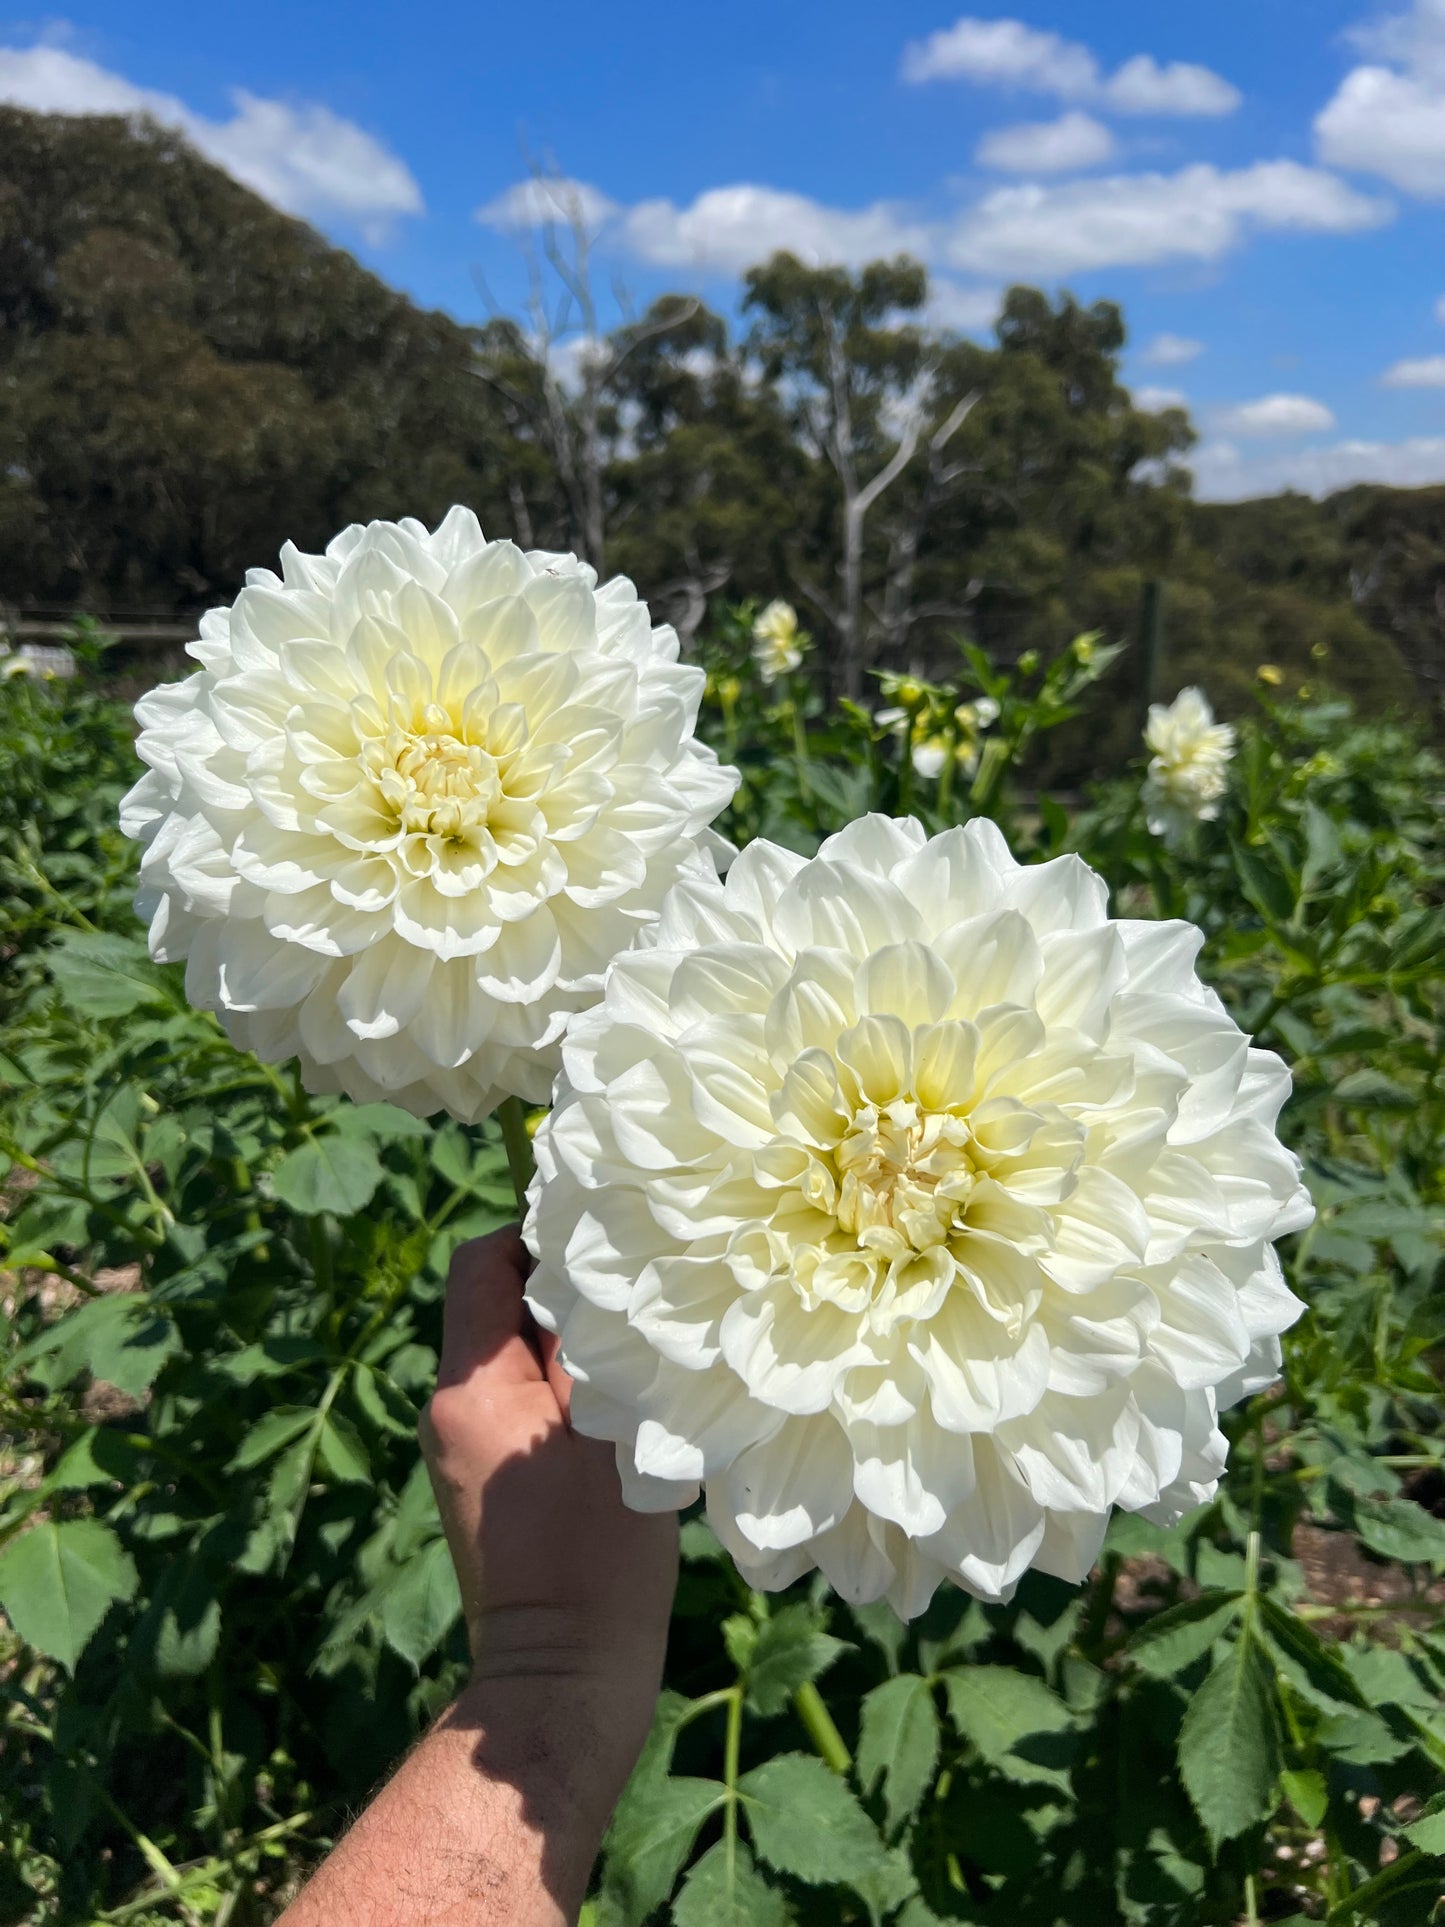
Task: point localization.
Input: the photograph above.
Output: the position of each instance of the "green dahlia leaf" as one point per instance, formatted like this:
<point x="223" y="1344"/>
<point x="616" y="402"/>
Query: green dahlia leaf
<point x="59" y="1579"/>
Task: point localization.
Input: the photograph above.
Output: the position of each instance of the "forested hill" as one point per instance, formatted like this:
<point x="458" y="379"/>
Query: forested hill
<point x="188" y="378"/>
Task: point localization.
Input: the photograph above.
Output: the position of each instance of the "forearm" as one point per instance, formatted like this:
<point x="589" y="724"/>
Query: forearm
<point x="488" y="1823"/>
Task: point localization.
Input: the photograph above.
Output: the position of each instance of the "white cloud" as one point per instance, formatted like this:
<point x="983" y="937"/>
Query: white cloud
<point x="1007" y="53"/>
<point x="1059" y="146"/>
<point x="1026" y="230"/>
<point x="1440" y="309"/>
<point x="725" y="229"/>
<point x="972" y="311"/>
<point x="1131" y="220"/>
<point x="1426" y="372"/>
<point x="1142" y="86"/>
<point x="1223" y="474"/>
<point x="1171" y="351"/>
<point x="731" y="228"/>
<point x="1002" y="53"/>
<point x="546" y="197"/>
<point x="300" y="156"/>
<point x="1414" y="38"/>
<point x="1152" y="400"/>
<point x="1390" y="119"/>
<point x="1274" y="415"/>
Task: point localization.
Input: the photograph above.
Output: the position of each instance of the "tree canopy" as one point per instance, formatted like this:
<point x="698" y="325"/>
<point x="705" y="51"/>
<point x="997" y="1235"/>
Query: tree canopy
<point x="189" y="378"/>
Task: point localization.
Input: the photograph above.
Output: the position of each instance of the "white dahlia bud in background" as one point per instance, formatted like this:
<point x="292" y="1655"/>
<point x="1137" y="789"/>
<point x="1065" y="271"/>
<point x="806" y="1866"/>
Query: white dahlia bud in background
<point x="914" y="1208"/>
<point x="1189" y="764"/>
<point x="777" y="641"/>
<point x="421" y="792"/>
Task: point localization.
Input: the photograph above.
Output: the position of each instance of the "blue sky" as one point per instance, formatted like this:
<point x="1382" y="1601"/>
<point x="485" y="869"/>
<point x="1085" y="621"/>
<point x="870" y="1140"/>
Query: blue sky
<point x="1260" y="183"/>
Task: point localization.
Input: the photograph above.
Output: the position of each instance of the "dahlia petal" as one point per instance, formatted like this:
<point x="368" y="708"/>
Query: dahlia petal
<point x="913" y="1474"/>
<point x="788" y="1488"/>
<point x="789" y="1357"/>
<point x="994" y="959"/>
<point x="905" y="980"/>
<point x="840" y="906"/>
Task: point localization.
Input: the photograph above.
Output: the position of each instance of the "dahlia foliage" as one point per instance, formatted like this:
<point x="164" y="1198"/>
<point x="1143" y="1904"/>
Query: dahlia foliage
<point x="1189" y="762"/>
<point x="422" y="790"/>
<point x="914" y="1209"/>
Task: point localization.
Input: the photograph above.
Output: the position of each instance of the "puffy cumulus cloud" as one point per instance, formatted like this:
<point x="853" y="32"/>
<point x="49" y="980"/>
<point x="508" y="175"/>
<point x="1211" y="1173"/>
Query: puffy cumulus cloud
<point x="1131" y="220"/>
<point x="973" y="311"/>
<point x="300" y="156"/>
<point x="1171" y="351"/>
<point x="1007" y="53"/>
<point x="1275" y="415"/>
<point x="724" y="230"/>
<point x="1225" y="473"/>
<point x="543" y="198"/>
<point x="1426" y="371"/>
<point x="1143" y="86"/>
<point x="730" y="228"/>
<point x="1075" y="140"/>
<point x="1154" y="400"/>
<point x="1028" y="229"/>
<point x="1388" y="115"/>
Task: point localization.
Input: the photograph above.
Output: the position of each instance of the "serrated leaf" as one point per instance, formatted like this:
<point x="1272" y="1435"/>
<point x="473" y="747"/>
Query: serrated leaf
<point x="177" y="1635"/>
<point x="342" y="1451"/>
<point x="805" y="1822"/>
<point x="651" y="1840"/>
<point x="121" y="1337"/>
<point x="898" y="1743"/>
<point x="709" y="1899"/>
<point x="1304" y="1660"/>
<point x="270" y="1433"/>
<point x="58" y="1581"/>
<point x="790" y="1649"/>
<point x="996" y="1707"/>
<point x="1229" y="1755"/>
<point x="1308" y="1793"/>
<point x="1428" y="1832"/>
<point x="331" y="1173"/>
<point x="1358" y="1737"/>
<point x="422" y="1604"/>
<point x="1400" y="1529"/>
<point x="383" y="1402"/>
<point x="1172" y="1640"/>
<point x="103" y="975"/>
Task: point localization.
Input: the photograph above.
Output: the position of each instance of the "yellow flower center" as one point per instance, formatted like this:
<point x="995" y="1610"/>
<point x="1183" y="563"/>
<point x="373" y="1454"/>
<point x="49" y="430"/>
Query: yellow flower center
<point x="433" y="783"/>
<point x="904" y="1177"/>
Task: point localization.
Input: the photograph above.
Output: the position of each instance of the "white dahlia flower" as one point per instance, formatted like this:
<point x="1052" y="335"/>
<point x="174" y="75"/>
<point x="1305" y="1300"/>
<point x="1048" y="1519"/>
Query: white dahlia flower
<point x="421" y="792"/>
<point x="915" y="1209"/>
<point x="1188" y="766"/>
<point x="778" y="642"/>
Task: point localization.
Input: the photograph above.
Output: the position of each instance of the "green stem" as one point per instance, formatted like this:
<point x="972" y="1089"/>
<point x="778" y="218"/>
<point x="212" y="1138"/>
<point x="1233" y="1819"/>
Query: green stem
<point x="827" y="1740"/>
<point x="800" y="754"/>
<point x="513" y="1120"/>
<point x="732" y="1748"/>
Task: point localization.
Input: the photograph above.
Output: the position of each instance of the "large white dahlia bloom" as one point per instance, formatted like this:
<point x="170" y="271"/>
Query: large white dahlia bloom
<point x="423" y="788"/>
<point x="1189" y="762"/>
<point x="916" y="1209"/>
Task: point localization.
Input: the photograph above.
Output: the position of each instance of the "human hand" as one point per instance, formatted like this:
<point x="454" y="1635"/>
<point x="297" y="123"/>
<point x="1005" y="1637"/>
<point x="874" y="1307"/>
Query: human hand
<point x="566" y="1591"/>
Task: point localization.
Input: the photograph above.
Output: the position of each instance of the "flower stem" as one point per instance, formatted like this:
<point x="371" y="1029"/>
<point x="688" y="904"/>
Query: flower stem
<point x="732" y="1748"/>
<point x="513" y="1120"/>
<point x="827" y="1740"/>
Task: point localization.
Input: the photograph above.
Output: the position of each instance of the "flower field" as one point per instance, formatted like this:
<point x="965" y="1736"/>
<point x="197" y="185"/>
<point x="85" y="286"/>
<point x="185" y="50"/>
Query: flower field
<point x="228" y="1605"/>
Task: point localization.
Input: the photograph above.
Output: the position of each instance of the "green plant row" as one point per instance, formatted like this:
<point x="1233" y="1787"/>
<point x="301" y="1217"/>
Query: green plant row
<point x="228" y="1607"/>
